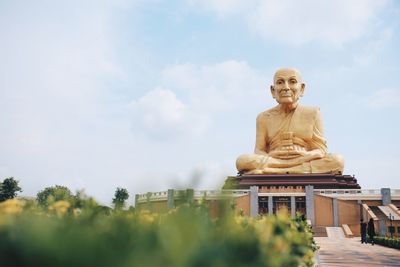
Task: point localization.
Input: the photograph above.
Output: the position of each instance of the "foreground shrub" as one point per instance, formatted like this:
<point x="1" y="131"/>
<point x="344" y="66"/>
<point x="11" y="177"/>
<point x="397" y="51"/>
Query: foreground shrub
<point x="185" y="237"/>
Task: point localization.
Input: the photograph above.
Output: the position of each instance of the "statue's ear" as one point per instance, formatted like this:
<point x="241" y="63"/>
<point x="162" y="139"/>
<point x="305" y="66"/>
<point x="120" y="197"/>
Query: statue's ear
<point x="303" y="86"/>
<point x="272" y="88"/>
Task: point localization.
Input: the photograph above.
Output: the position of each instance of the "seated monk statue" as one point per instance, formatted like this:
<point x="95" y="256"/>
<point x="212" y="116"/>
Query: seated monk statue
<point x="289" y="137"/>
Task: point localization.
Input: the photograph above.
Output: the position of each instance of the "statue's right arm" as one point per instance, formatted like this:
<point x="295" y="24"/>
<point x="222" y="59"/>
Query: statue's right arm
<point x="261" y="135"/>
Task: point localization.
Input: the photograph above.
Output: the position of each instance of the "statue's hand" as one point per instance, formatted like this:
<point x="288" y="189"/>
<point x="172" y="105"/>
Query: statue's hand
<point x="313" y="154"/>
<point x="282" y="160"/>
<point x="288" y="152"/>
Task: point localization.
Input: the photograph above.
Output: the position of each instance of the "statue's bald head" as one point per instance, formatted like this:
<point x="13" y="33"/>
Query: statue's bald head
<point x="288" y="86"/>
<point x="288" y="71"/>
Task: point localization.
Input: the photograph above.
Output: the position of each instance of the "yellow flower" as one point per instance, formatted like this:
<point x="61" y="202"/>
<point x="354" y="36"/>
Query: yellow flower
<point x="77" y="212"/>
<point x="239" y="219"/>
<point x="147" y="217"/>
<point x="12" y="206"/>
<point x="60" y="207"/>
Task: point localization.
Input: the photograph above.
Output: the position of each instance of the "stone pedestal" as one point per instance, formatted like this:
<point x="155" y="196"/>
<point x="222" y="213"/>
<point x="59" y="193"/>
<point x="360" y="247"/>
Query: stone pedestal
<point x="318" y="181"/>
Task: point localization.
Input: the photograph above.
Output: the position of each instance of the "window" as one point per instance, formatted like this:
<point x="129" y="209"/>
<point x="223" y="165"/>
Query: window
<point x="262" y="205"/>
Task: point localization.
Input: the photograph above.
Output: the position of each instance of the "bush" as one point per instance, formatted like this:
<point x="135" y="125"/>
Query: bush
<point x="184" y="237"/>
<point x="387" y="241"/>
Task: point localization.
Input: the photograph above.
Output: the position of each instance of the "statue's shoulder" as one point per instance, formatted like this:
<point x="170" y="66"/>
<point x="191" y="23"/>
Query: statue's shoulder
<point x="270" y="112"/>
<point x="308" y="112"/>
<point x="267" y="116"/>
<point x="308" y="109"/>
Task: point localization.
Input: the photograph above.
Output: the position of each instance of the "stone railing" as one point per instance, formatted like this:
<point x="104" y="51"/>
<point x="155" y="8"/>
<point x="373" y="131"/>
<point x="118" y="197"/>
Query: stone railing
<point x="154" y="196"/>
<point x="357" y="193"/>
<point x="197" y="195"/>
<point x="217" y="194"/>
<point x="347" y="191"/>
<point x="393" y="192"/>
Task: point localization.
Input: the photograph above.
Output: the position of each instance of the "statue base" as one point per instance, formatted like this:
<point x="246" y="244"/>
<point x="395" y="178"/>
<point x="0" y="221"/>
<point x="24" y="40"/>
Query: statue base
<point x="319" y="181"/>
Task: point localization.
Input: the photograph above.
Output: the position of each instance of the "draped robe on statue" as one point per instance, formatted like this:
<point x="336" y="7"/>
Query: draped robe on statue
<point x="290" y="143"/>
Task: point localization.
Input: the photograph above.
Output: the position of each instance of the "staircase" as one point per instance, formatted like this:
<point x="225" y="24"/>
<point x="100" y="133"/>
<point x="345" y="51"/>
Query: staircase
<point x="335" y="232"/>
<point x="389" y="212"/>
<point x="320" y="231"/>
<point x="378" y="212"/>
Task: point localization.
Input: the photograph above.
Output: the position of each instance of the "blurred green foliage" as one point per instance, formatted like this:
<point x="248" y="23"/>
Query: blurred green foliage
<point x="63" y="234"/>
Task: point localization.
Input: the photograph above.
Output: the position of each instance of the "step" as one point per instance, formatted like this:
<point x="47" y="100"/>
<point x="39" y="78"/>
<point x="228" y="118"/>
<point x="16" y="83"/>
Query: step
<point x="319" y="231"/>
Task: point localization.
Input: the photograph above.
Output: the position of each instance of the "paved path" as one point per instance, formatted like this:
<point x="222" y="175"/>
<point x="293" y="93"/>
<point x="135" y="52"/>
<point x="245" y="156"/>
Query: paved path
<point x="350" y="252"/>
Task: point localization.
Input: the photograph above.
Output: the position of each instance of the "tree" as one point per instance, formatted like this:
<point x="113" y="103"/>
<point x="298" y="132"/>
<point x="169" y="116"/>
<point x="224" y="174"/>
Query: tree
<point x="53" y="194"/>
<point x="121" y="194"/>
<point x="82" y="201"/>
<point x="9" y="188"/>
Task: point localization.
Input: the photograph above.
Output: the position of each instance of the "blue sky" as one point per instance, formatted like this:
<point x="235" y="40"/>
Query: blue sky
<point x="151" y="95"/>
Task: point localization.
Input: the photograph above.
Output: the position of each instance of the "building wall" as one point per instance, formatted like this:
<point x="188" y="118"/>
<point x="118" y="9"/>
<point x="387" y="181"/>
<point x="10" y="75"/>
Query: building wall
<point x="349" y="213"/>
<point x="159" y="206"/>
<point x="323" y="211"/>
<point x="396" y="225"/>
<point x="154" y="206"/>
<point x="142" y="206"/>
<point x="214" y="206"/>
<point x="243" y="202"/>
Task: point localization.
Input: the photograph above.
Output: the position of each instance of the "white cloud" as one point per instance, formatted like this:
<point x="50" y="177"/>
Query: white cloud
<point x="161" y="107"/>
<point x="220" y="86"/>
<point x="161" y="115"/>
<point x="300" y="22"/>
<point x="384" y="98"/>
<point x="189" y="96"/>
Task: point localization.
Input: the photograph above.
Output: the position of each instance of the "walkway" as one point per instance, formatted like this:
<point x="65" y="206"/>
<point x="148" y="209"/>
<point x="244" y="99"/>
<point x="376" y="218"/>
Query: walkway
<point x="350" y="252"/>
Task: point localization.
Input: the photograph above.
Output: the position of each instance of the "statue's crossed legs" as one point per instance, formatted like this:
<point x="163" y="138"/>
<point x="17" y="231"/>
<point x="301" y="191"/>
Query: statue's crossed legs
<point x="260" y="164"/>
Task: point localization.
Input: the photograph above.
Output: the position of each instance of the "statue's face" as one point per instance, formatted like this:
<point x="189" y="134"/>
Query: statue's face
<point x="288" y="86"/>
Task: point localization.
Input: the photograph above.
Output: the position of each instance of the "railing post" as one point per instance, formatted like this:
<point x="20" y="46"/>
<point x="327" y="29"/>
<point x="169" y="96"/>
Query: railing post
<point x="335" y="212"/>
<point x="189" y="195"/>
<point x="136" y="201"/>
<point x="386" y="197"/>
<point x="148" y="201"/>
<point x="293" y="206"/>
<point x="170" y="199"/>
<point x="253" y="201"/>
<point x="270" y="205"/>
<point x="310" y="204"/>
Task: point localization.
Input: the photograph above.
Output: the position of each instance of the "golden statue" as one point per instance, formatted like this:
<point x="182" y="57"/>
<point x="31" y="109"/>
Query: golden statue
<point x="289" y="137"/>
